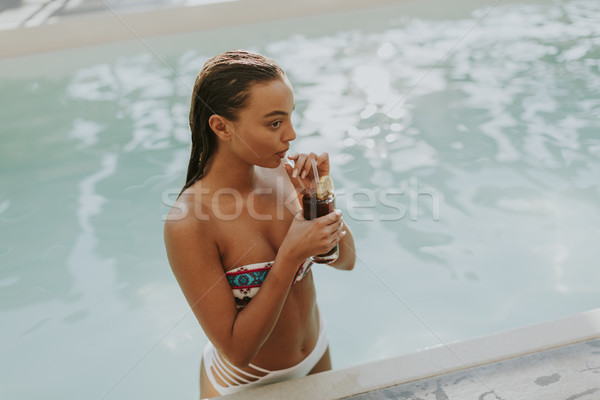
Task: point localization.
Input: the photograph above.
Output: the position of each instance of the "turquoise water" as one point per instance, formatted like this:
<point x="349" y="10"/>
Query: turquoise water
<point x="465" y="151"/>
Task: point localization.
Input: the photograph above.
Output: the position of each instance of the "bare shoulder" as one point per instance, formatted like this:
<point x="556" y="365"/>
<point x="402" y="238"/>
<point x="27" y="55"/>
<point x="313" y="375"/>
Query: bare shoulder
<point x="186" y="215"/>
<point x="194" y="258"/>
<point x="188" y="232"/>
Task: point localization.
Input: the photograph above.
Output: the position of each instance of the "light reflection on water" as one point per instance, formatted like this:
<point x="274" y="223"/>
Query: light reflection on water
<point x="500" y="135"/>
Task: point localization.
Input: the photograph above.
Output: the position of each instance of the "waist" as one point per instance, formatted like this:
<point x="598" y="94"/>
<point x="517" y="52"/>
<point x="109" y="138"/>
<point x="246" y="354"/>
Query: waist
<point x="254" y="375"/>
<point x="292" y="339"/>
<point x="269" y="360"/>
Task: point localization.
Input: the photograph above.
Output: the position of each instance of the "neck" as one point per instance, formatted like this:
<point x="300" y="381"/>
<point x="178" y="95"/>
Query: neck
<point x="226" y="170"/>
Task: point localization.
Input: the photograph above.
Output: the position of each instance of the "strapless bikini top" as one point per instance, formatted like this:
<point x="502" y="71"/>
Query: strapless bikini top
<point x="245" y="281"/>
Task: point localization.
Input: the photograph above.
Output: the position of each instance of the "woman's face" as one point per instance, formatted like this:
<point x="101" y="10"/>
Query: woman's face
<point x="263" y="129"/>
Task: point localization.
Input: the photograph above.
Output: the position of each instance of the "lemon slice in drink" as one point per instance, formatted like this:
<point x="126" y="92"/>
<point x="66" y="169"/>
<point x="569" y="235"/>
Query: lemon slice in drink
<point x="325" y="187"/>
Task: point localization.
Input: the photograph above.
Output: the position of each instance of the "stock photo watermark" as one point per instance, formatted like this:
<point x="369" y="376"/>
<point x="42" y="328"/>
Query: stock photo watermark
<point x="361" y="204"/>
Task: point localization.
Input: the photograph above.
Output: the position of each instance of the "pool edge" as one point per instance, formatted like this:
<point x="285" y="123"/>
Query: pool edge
<point x="435" y="361"/>
<point x="115" y="25"/>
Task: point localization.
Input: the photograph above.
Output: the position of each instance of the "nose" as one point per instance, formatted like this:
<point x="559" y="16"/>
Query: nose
<point x="290" y="134"/>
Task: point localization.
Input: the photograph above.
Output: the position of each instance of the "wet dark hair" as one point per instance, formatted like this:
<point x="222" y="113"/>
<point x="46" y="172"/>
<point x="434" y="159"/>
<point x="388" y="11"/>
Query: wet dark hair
<point x="222" y="88"/>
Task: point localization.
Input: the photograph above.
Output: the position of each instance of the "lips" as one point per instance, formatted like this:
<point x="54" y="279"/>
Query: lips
<point x="281" y="154"/>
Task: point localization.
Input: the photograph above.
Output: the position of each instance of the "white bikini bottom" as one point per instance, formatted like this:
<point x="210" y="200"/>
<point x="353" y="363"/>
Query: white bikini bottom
<point x="236" y="379"/>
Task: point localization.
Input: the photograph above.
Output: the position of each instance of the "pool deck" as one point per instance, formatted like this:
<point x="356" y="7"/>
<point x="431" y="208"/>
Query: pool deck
<point x="36" y="26"/>
<point x="569" y="372"/>
<point x="553" y="360"/>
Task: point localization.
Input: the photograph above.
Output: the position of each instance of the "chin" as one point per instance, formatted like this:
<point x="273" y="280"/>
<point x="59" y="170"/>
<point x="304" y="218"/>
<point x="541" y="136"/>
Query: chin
<point x="268" y="163"/>
<point x="274" y="164"/>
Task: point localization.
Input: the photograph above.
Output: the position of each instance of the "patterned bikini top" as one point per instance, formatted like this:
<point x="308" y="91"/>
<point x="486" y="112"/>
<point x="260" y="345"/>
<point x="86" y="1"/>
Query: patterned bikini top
<point x="245" y="281"/>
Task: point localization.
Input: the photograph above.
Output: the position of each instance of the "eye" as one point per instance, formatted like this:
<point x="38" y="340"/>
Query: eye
<point x="276" y="124"/>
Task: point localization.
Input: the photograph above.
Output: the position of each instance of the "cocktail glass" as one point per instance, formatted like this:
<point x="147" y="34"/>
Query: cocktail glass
<point x="315" y="207"/>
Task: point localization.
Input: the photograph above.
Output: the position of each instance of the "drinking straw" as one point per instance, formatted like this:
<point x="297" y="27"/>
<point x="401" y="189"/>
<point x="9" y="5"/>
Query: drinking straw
<point x="315" y="173"/>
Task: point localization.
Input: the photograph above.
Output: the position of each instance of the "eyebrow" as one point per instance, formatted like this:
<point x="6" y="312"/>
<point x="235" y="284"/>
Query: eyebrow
<point x="278" y="112"/>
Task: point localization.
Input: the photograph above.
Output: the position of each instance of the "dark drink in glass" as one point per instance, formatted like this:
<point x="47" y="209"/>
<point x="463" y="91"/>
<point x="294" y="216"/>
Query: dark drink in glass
<point x="315" y="207"/>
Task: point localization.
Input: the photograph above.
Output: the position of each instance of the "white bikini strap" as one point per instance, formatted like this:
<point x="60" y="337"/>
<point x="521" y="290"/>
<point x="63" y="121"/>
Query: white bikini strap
<point x="256" y="367"/>
<point x="231" y="371"/>
<point x="225" y="372"/>
<point x="219" y="371"/>
<point x="215" y="368"/>
<point x="247" y="373"/>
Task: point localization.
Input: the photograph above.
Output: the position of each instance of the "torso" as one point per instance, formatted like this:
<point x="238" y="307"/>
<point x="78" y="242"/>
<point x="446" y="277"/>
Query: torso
<point x="253" y="233"/>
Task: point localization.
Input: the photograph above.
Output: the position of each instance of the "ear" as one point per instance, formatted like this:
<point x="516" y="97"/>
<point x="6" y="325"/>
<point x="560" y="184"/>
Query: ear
<point x="220" y="126"/>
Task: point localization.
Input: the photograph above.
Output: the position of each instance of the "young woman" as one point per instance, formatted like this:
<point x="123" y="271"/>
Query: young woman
<point x="236" y="239"/>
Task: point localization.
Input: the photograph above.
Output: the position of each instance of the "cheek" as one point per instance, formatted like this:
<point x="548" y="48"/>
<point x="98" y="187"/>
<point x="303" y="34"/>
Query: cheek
<point x="264" y="140"/>
<point x="265" y="146"/>
<point x="257" y="144"/>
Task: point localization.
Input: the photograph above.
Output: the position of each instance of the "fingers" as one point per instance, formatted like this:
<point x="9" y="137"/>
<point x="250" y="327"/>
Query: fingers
<point x="297" y="182"/>
<point x="335" y="239"/>
<point x="332" y="218"/>
<point x="323" y="164"/>
<point x="299" y="165"/>
<point x="306" y="162"/>
<point x="336" y="229"/>
<point x="296" y="158"/>
<point x="323" y="157"/>
<point x="329" y="230"/>
<point x="336" y="235"/>
<point x="333" y="221"/>
<point x="303" y="164"/>
<point x="288" y="168"/>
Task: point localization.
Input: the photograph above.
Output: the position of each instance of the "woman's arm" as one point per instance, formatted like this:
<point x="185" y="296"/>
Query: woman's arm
<point x="194" y="258"/>
<point x="301" y="176"/>
<point x="347" y="256"/>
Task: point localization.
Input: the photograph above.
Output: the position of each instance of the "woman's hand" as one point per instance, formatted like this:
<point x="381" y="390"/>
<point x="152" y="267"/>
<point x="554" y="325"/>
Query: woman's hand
<point x="301" y="174"/>
<point x="308" y="238"/>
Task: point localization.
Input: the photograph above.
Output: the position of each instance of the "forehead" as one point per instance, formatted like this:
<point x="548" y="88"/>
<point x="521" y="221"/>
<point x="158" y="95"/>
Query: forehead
<point x="272" y="95"/>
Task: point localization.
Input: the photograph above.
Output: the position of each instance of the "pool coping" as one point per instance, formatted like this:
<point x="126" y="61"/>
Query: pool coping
<point x="118" y="25"/>
<point x="435" y="361"/>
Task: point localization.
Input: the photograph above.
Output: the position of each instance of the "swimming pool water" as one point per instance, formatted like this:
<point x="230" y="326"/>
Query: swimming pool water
<point x="465" y="151"/>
